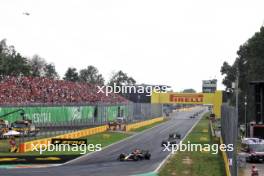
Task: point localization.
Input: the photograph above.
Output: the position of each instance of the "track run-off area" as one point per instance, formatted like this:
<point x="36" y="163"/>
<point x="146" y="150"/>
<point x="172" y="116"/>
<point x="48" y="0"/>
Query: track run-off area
<point x="105" y="163"/>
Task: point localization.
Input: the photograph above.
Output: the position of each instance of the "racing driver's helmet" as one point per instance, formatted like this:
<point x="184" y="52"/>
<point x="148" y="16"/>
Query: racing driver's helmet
<point x="136" y="151"/>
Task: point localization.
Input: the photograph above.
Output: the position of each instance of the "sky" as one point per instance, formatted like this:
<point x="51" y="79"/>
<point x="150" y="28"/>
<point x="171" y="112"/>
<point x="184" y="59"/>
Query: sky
<point x="175" y="43"/>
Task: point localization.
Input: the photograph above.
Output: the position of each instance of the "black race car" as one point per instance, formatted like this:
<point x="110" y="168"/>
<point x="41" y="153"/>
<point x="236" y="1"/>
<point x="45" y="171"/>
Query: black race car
<point x="175" y="135"/>
<point x="136" y="155"/>
<point x="192" y="116"/>
<point x="173" y="139"/>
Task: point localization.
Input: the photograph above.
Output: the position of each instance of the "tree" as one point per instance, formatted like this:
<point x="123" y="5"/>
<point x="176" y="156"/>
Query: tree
<point x="37" y="66"/>
<point x="189" y="91"/>
<point x="120" y="78"/>
<point x="71" y="75"/>
<point x="91" y="75"/>
<point x="250" y="66"/>
<point x="11" y="62"/>
<point x="230" y="74"/>
<point x="50" y="71"/>
<point x="40" y="68"/>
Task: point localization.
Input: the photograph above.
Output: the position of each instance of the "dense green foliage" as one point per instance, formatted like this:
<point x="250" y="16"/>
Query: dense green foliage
<point x="11" y="62"/>
<point x="120" y="78"/>
<point x="71" y="75"/>
<point x="249" y="65"/>
<point x="91" y="75"/>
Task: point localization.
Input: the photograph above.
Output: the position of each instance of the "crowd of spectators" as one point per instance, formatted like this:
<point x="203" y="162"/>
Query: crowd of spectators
<point x="41" y="90"/>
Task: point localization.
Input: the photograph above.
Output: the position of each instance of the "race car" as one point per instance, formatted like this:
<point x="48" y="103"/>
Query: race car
<point x="172" y="139"/>
<point x="25" y="127"/>
<point x="136" y="155"/>
<point x="3" y="127"/>
<point x="175" y="135"/>
<point x="192" y="116"/>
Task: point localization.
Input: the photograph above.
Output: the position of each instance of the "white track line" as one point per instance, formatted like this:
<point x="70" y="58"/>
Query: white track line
<point x="76" y="159"/>
<point x="136" y="134"/>
<point x="163" y="161"/>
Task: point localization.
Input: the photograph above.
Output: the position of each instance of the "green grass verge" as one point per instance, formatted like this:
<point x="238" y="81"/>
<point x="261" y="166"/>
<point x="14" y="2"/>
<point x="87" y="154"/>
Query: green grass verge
<point x="4" y="146"/>
<point x="192" y="163"/>
<point x="147" y="127"/>
<point x="104" y="139"/>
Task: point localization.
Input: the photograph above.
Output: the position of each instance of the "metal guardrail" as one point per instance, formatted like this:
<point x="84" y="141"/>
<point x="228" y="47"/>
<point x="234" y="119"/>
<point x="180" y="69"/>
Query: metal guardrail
<point x="211" y="128"/>
<point x="27" y="146"/>
<point x="228" y="131"/>
<point x="224" y="155"/>
<point x="134" y="112"/>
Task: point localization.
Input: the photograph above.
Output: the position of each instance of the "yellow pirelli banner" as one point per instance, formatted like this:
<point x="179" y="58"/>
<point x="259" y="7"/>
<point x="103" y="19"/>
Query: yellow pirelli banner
<point x="214" y="99"/>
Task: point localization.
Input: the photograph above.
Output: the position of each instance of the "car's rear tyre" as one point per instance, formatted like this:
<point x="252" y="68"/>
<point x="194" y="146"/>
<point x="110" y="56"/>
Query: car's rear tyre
<point x="147" y="156"/>
<point x="178" y="136"/>
<point x="173" y="142"/>
<point x="122" y="157"/>
<point x="163" y="143"/>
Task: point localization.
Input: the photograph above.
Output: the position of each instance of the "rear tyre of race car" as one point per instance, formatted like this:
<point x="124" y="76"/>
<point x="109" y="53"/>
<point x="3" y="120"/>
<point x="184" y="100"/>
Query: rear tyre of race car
<point x="122" y="157"/>
<point x="164" y="143"/>
<point x="178" y="136"/>
<point x="147" y="156"/>
<point x="173" y="143"/>
<point x="171" y="135"/>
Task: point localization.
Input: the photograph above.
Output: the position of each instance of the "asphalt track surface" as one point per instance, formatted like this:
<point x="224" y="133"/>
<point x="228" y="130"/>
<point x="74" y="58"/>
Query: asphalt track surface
<point x="105" y="163"/>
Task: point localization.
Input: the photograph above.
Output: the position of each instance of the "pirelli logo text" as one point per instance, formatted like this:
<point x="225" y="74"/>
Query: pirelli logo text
<point x="69" y="141"/>
<point x="186" y="98"/>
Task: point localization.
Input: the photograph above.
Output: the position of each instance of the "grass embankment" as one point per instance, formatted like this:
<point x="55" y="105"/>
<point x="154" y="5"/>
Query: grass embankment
<point x="4" y="146"/>
<point x="104" y="139"/>
<point x="195" y="163"/>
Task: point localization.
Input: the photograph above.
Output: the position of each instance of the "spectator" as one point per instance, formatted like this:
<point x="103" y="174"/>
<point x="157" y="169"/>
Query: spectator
<point x="41" y="90"/>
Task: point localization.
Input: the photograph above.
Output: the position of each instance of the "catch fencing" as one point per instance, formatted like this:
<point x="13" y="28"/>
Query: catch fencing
<point x="229" y="134"/>
<point x="59" y="120"/>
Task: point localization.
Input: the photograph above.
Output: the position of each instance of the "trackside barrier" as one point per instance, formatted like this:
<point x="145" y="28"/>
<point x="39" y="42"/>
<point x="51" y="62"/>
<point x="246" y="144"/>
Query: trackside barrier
<point x="211" y="128"/>
<point x="185" y="109"/>
<point x="27" y="146"/>
<point x="144" y="123"/>
<point x="224" y="155"/>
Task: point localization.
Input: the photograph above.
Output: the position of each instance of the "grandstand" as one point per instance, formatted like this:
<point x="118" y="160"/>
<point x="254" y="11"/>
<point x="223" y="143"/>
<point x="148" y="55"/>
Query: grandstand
<point x="40" y="90"/>
<point x="59" y="106"/>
